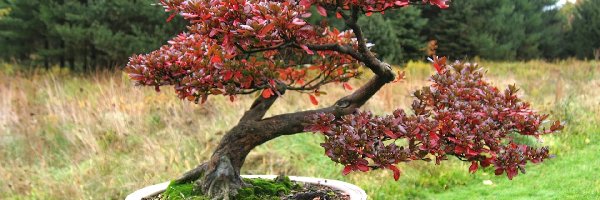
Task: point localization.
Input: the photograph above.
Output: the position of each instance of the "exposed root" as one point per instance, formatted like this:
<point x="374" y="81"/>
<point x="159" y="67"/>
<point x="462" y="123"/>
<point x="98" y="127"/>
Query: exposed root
<point x="223" y="182"/>
<point x="193" y="174"/>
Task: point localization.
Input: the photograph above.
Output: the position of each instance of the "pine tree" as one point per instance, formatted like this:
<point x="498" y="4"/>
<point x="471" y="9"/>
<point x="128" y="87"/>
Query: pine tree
<point x="23" y="31"/>
<point x="82" y="34"/>
<point x="496" y="29"/>
<point x="396" y="34"/>
<point x="585" y="29"/>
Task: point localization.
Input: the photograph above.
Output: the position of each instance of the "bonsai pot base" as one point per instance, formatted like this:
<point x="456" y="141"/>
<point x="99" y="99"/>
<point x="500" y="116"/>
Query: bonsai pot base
<point x="353" y="191"/>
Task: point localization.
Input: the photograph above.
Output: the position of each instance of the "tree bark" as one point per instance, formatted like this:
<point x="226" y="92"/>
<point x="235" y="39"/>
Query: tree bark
<point x="220" y="178"/>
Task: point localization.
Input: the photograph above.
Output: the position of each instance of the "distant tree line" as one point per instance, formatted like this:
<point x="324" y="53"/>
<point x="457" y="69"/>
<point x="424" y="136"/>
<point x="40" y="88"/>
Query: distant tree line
<point x="489" y="29"/>
<point x="92" y="34"/>
<point x="81" y="34"/>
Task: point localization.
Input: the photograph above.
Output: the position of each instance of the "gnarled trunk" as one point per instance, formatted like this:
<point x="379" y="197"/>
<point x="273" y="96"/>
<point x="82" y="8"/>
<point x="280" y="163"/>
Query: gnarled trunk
<point x="220" y="178"/>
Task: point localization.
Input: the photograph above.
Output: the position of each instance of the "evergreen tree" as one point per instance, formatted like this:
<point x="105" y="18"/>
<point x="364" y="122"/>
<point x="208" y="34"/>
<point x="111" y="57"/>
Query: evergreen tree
<point x="22" y="31"/>
<point x="496" y="29"/>
<point x="397" y="34"/>
<point x="82" y="34"/>
<point x="585" y="29"/>
<point x="450" y="28"/>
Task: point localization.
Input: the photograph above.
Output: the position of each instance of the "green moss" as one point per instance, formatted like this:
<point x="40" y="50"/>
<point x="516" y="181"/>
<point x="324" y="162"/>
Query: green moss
<point x="261" y="189"/>
<point x="182" y="191"/>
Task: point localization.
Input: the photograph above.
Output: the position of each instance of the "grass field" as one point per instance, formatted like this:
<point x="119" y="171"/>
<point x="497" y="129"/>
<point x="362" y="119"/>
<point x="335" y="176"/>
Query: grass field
<point x="65" y="136"/>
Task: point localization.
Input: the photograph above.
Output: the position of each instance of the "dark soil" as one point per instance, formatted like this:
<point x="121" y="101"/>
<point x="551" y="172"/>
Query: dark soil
<point x="262" y="189"/>
<point x="316" y="192"/>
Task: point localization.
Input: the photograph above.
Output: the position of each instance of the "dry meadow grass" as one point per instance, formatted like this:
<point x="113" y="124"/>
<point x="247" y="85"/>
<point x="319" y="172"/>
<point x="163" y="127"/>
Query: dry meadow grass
<point x="65" y="136"/>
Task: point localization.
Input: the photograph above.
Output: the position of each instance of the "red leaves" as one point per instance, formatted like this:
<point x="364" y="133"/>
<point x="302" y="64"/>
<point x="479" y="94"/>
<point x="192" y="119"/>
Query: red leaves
<point x="171" y="17"/>
<point x="362" y="167"/>
<point x="338" y="15"/>
<point x="313" y="99"/>
<point x="268" y="28"/>
<point x="473" y="125"/>
<point x="234" y="47"/>
<point x="347" y="170"/>
<point x="395" y="170"/>
<point x="308" y="51"/>
<point x="473" y="167"/>
<point x="216" y="59"/>
<point x="440" y="3"/>
<point x="321" y="11"/>
<point x="298" y="22"/>
<point x="266" y="93"/>
<point x="347" y="86"/>
<point x="433" y="139"/>
<point x="438" y="63"/>
<point x="229" y="46"/>
<point x="401" y="3"/>
<point x="390" y="134"/>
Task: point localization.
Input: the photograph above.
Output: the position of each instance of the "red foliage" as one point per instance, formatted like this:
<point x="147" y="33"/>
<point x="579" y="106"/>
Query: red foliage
<point x="236" y="47"/>
<point x="460" y="115"/>
<point x="242" y="46"/>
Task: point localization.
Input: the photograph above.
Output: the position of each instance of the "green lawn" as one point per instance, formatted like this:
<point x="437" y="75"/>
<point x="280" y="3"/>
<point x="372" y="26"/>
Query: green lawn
<point x="575" y="175"/>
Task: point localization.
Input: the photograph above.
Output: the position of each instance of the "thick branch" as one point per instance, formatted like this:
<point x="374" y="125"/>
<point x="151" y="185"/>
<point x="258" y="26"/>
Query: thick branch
<point x="260" y="106"/>
<point x="292" y="123"/>
<point x="252" y="130"/>
<point x="380" y="68"/>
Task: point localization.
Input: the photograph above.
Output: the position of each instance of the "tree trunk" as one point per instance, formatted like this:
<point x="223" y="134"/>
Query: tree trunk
<point x="220" y="178"/>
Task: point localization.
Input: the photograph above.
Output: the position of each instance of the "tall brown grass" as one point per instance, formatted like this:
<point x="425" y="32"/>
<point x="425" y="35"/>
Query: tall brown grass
<point x="69" y="136"/>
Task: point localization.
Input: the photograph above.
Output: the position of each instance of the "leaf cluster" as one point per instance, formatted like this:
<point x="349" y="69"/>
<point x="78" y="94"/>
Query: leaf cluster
<point x="459" y="114"/>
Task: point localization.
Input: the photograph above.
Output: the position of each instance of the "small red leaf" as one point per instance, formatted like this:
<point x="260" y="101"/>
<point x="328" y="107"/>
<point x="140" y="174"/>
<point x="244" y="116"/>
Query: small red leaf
<point x="473" y="167"/>
<point x="499" y="171"/>
<point x="322" y="11"/>
<point x="347" y="170"/>
<point x="298" y="21"/>
<point x="338" y="15"/>
<point x="313" y="100"/>
<point x="269" y="27"/>
<point x="228" y="75"/>
<point x="487" y="162"/>
<point x="347" y="86"/>
<point x="433" y="138"/>
<point x="363" y="168"/>
<point x="401" y="3"/>
<point x="171" y="16"/>
<point x="305" y="3"/>
<point x="459" y="149"/>
<point x="266" y="93"/>
<point x="308" y="51"/>
<point x="396" y="171"/>
<point x="390" y="134"/>
<point x="471" y="152"/>
<point x="437" y="67"/>
<point x="216" y="59"/>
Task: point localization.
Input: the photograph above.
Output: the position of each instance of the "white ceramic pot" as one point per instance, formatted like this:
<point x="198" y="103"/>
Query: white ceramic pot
<point x="353" y="191"/>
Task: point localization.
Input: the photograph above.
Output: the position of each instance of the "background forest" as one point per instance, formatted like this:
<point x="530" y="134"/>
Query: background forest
<point x="93" y="34"/>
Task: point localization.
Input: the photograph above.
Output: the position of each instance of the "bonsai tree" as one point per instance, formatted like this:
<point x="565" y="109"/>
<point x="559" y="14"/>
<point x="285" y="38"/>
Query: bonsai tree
<point x="240" y="47"/>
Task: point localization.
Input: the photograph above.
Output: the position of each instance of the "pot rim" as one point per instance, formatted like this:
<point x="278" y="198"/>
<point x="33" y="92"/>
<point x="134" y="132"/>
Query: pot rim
<point x="355" y="192"/>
